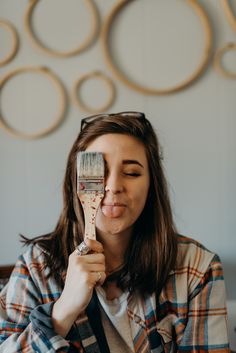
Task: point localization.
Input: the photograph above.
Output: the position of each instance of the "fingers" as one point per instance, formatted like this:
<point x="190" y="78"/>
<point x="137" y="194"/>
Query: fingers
<point x="98" y="278"/>
<point x="92" y="264"/>
<point x="92" y="278"/>
<point x="101" y="279"/>
<point x="89" y="268"/>
<point x="90" y="258"/>
<point x="95" y="267"/>
<point x="94" y="245"/>
<point x="95" y="254"/>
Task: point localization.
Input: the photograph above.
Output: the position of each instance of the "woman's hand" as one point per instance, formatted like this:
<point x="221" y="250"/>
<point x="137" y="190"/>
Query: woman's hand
<point x="83" y="274"/>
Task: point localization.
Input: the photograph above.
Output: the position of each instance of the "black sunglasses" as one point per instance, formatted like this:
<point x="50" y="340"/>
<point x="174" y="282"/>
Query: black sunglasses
<point x="129" y="114"/>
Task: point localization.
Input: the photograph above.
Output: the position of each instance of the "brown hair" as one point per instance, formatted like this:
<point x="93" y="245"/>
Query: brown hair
<point x="152" y="251"/>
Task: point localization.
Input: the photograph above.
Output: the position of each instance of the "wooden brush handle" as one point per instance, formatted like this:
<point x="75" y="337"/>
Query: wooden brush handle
<point x="90" y="203"/>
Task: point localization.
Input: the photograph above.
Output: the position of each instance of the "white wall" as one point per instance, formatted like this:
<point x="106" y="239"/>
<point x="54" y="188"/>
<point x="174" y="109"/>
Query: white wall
<point x="158" y="43"/>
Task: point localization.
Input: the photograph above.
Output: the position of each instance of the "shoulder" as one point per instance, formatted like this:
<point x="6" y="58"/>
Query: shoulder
<point x="194" y="263"/>
<point x="32" y="274"/>
<point x="31" y="266"/>
<point x="192" y="253"/>
<point x="32" y="259"/>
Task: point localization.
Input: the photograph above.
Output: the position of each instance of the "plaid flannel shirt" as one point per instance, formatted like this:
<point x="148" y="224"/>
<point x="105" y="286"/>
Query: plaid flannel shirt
<point x="190" y="315"/>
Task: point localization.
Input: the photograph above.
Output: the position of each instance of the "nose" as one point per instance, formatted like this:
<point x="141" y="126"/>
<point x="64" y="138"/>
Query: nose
<point x="113" y="183"/>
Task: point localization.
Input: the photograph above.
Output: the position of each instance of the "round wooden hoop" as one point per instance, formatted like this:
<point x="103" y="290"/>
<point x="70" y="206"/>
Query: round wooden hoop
<point x="229" y="13"/>
<point x="99" y="75"/>
<point x="218" y="60"/>
<point x="62" y="108"/>
<point x="39" y="45"/>
<point x="143" y="89"/>
<point x="15" y="41"/>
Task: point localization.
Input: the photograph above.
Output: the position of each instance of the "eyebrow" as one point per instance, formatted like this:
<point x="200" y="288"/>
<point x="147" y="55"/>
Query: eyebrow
<point x="132" y="161"/>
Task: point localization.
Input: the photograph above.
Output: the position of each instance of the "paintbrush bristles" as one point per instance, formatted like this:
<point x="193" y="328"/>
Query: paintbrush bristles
<point x="90" y="172"/>
<point x="90" y="187"/>
<point x="90" y="165"/>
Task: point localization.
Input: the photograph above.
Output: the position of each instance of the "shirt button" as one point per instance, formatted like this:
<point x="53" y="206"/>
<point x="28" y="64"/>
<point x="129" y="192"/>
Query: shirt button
<point x="137" y="319"/>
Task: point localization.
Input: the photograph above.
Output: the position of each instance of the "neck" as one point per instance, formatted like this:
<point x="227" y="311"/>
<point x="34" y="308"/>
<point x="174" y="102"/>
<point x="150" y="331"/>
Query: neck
<point x="115" y="246"/>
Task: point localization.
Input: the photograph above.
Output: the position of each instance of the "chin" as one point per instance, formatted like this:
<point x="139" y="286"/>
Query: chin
<point x="113" y="225"/>
<point x="114" y="228"/>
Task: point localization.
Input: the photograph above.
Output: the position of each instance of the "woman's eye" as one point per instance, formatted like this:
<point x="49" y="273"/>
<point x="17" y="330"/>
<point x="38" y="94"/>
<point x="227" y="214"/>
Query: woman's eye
<point x="133" y="174"/>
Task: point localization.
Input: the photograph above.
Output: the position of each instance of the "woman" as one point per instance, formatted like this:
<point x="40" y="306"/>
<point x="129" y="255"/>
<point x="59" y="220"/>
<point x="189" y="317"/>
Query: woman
<point x="139" y="287"/>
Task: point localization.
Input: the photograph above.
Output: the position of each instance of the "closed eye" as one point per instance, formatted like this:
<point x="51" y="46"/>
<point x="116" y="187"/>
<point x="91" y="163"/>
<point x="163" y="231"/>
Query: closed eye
<point x="133" y="174"/>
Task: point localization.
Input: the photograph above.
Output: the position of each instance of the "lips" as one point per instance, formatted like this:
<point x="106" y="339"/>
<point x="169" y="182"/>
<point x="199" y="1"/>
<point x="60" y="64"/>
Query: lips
<point x="113" y="210"/>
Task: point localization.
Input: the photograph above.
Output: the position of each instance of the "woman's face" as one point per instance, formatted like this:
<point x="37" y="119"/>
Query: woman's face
<point x="126" y="182"/>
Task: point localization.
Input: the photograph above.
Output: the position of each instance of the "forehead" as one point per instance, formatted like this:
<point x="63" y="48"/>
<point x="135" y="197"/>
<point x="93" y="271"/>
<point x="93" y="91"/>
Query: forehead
<point x="120" y="146"/>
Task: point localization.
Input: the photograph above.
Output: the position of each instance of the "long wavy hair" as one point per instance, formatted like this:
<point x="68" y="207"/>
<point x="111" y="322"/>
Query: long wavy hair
<point x="152" y="250"/>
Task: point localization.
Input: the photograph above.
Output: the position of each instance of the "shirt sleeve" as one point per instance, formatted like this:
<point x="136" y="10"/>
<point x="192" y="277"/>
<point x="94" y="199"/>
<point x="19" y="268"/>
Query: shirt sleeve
<point x="25" y="320"/>
<point x="206" y="329"/>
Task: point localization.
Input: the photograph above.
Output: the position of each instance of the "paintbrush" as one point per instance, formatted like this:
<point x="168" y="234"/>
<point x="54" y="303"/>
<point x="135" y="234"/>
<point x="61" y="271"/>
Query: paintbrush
<point x="90" y="187"/>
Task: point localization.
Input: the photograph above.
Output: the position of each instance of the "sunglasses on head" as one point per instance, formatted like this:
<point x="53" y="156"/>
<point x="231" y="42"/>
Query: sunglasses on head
<point x="129" y="114"/>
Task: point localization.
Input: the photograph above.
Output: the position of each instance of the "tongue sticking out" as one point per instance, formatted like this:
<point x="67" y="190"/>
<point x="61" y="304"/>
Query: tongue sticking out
<point x="113" y="211"/>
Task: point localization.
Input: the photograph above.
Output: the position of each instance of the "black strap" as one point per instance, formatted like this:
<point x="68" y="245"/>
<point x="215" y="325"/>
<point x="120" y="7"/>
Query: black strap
<point x="94" y="316"/>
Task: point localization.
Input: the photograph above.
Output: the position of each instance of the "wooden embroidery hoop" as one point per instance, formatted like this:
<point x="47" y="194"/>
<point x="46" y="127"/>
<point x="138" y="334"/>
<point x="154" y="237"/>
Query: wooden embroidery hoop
<point x="77" y="98"/>
<point x="62" y="108"/>
<point x="218" y="60"/>
<point x="229" y="13"/>
<point x="39" y="45"/>
<point x="15" y="41"/>
<point x="143" y="89"/>
<point x="217" y="63"/>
